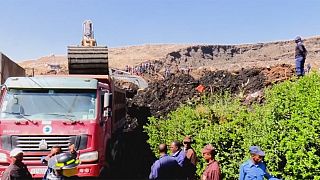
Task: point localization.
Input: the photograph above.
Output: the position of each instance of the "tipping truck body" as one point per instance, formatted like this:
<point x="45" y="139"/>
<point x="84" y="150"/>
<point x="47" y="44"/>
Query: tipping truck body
<point x="40" y="112"/>
<point x="8" y="68"/>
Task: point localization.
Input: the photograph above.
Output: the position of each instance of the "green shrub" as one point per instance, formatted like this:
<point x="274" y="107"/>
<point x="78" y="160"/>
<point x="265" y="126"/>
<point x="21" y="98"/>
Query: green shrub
<point x="286" y="127"/>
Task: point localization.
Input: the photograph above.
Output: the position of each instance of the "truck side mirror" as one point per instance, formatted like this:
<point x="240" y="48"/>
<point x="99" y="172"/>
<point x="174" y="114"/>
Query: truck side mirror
<point x="107" y="100"/>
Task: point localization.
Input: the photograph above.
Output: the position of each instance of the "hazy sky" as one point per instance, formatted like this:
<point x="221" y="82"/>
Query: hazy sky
<point x="33" y="28"/>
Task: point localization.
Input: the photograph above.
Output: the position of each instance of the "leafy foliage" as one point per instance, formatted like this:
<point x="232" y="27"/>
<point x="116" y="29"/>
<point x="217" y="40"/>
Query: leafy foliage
<point x="286" y="126"/>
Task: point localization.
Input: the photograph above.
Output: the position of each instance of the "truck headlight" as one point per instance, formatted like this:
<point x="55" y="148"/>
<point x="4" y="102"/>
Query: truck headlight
<point x="89" y="156"/>
<point x="3" y="157"/>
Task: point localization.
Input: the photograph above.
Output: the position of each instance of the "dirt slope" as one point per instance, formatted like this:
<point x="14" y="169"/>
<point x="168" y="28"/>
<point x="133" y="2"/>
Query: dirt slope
<point x="235" y="57"/>
<point x="118" y="57"/>
<point x="221" y="57"/>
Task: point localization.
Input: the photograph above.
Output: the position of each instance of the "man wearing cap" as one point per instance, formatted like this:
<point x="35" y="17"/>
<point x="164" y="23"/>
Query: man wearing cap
<point x="212" y="171"/>
<point x="17" y="169"/>
<point x="191" y="158"/>
<point x="254" y="168"/>
<point x="166" y="167"/>
<point x="300" y="56"/>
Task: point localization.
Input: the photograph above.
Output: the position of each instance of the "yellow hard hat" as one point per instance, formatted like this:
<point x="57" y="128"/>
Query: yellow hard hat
<point x="69" y="172"/>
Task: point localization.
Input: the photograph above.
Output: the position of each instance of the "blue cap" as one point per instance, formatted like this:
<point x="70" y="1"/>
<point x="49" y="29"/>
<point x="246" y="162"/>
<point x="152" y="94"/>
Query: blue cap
<point x="256" y="150"/>
<point x="298" y="39"/>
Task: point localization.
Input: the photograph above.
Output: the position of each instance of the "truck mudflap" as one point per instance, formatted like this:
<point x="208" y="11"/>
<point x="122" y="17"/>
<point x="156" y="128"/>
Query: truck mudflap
<point x="84" y="170"/>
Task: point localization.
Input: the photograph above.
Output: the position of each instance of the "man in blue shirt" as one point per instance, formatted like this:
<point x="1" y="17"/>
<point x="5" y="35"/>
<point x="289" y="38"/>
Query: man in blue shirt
<point x="255" y="168"/>
<point x="180" y="156"/>
<point x="177" y="152"/>
<point x="166" y="167"/>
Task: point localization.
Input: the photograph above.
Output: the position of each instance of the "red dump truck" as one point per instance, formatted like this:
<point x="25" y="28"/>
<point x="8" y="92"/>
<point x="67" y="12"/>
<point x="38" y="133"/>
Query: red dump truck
<point x="40" y="112"/>
<point x="81" y="109"/>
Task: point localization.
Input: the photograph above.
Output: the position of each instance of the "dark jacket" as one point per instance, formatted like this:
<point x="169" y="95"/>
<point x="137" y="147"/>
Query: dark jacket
<point x="16" y="171"/>
<point x="300" y="50"/>
<point x="190" y="163"/>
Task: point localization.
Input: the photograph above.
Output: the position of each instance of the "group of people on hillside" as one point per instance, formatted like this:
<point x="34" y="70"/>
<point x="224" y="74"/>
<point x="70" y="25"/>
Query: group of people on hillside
<point x="143" y="68"/>
<point x="182" y="163"/>
<point x="168" y="70"/>
<point x="60" y="165"/>
<point x="151" y="68"/>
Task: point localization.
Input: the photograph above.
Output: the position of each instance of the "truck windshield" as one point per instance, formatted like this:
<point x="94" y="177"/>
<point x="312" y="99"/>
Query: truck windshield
<point x="53" y="104"/>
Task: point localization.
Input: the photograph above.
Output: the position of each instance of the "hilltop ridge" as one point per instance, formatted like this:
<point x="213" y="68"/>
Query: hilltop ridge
<point x="212" y="57"/>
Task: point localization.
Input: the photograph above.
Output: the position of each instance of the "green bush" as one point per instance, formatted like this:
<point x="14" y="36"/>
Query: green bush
<point x="286" y="126"/>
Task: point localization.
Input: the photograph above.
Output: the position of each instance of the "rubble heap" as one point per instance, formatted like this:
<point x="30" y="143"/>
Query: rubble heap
<point x="166" y="95"/>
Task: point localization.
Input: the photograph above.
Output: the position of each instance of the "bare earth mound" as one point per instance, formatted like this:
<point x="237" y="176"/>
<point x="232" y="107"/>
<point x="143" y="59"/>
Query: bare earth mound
<point x="235" y="57"/>
<point x="118" y="57"/>
<point x="211" y="57"/>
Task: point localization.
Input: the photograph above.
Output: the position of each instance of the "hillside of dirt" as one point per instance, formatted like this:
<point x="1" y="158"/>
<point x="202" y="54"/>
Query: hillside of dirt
<point x="118" y="57"/>
<point x="236" y="57"/>
<point x="210" y="57"/>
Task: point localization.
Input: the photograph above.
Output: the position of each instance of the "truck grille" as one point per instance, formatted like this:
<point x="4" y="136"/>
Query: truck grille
<point x="32" y="157"/>
<point x="37" y="146"/>
<point x="31" y="143"/>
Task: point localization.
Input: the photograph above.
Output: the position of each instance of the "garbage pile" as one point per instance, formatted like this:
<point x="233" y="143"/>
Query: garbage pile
<point x="163" y="96"/>
<point x="166" y="95"/>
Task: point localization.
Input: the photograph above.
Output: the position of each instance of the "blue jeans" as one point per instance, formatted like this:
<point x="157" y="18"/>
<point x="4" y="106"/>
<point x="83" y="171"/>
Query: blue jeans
<point x="300" y="66"/>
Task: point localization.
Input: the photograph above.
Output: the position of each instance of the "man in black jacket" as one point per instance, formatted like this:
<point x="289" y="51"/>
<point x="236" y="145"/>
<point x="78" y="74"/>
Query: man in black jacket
<point x="17" y="169"/>
<point x="300" y="56"/>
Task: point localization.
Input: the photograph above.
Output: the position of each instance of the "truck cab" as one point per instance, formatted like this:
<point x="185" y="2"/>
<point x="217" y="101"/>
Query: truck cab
<point x="37" y="113"/>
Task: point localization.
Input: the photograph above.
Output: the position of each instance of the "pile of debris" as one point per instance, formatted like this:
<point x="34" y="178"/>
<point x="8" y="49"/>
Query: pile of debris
<point x="166" y="95"/>
<point x="278" y="73"/>
<point x="163" y="96"/>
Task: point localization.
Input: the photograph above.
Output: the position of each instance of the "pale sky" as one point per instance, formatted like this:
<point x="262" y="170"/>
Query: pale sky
<point x="34" y="28"/>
